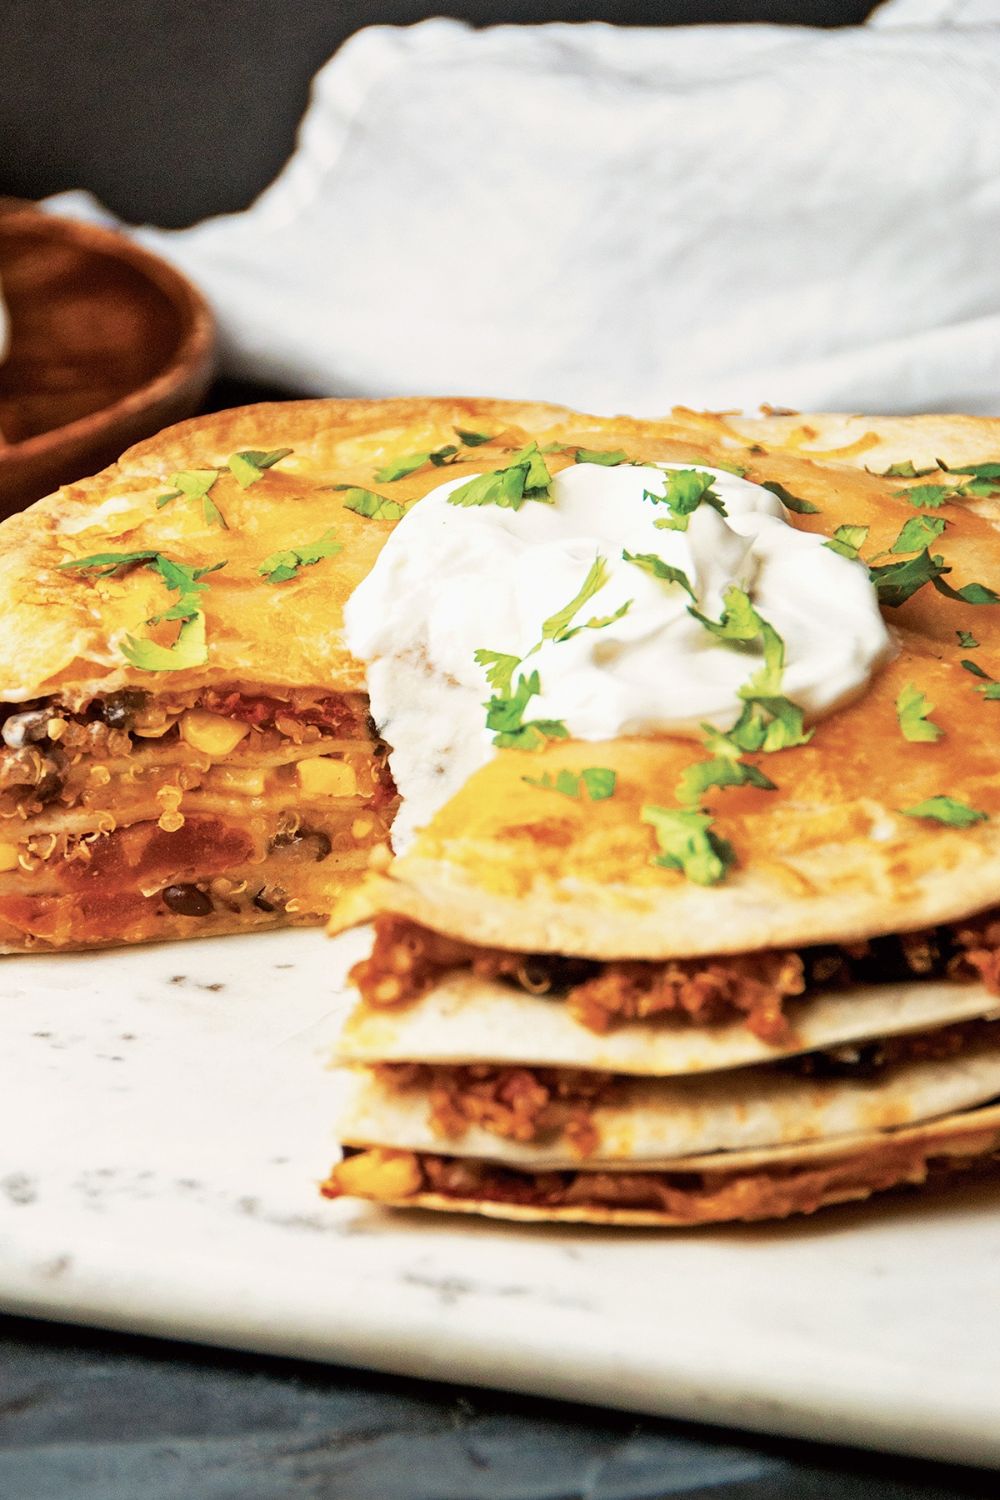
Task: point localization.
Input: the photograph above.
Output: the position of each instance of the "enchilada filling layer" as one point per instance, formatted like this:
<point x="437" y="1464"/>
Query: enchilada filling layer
<point x="137" y="816"/>
<point x="407" y="960"/>
<point x="542" y="1105"/>
<point x="686" y="1197"/>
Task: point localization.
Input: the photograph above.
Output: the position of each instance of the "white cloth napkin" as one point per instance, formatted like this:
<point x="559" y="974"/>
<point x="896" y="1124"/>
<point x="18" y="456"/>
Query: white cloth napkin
<point x="624" y="219"/>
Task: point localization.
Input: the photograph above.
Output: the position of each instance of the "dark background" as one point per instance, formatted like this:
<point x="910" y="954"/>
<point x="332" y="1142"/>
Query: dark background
<point x="170" y="110"/>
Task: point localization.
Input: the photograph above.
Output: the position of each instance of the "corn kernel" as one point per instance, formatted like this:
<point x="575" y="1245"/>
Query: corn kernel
<point x="8" y="857"/>
<point x="212" y="734"/>
<point x="327" y="778"/>
<point x="382" y="1175"/>
<point x="244" y="779"/>
<point x="362" y="827"/>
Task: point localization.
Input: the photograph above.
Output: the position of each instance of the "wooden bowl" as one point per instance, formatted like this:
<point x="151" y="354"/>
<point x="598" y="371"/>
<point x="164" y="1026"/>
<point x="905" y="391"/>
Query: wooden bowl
<point x="108" y="344"/>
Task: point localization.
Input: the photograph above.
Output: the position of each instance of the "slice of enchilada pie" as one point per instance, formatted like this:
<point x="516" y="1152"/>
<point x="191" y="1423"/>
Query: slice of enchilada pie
<point x="186" y="747"/>
<point x="695" y="911"/>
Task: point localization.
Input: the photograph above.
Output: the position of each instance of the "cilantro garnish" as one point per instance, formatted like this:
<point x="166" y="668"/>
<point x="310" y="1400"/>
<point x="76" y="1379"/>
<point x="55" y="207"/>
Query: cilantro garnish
<point x="687" y="843"/>
<point x="196" y="484"/>
<point x="899" y="581"/>
<point x="947" y="810"/>
<point x="500" y="668"/>
<point x="248" y="466"/>
<point x="741" y="625"/>
<point x="375" y="507"/>
<point x="723" y="769"/>
<point x="609" y="457"/>
<point x="525" y="478"/>
<point x="904" y="470"/>
<point x="281" y="566"/>
<point x="505" y="714"/>
<point x="931" y="495"/>
<point x="473" y="439"/>
<point x="769" y="724"/>
<point x="399" y="468"/>
<point x="556" y="627"/>
<point x="967" y="639"/>
<point x="683" y="491"/>
<point x="918" y="533"/>
<point x="190" y="649"/>
<point x="847" y="541"/>
<point x="972" y="593"/>
<point x="984" y="479"/>
<point x="790" y="501"/>
<point x="913" y="712"/>
<point x="650" y="563"/>
<point x="992" y="688"/>
<point x="597" y="781"/>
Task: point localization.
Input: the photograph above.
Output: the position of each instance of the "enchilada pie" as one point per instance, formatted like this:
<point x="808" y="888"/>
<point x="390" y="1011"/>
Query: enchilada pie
<point x="693" y="906"/>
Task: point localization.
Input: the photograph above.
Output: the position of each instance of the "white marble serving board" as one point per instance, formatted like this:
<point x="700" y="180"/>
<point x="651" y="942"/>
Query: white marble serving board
<point x="166" y="1115"/>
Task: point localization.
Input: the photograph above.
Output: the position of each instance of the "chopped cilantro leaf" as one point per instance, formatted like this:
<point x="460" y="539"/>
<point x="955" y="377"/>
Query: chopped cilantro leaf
<point x="688" y="844"/>
<point x="977" y="471"/>
<point x="650" y="563"/>
<point x="505" y="714"/>
<point x="683" y="491"/>
<point x="399" y="468"/>
<point x="500" y="668"/>
<point x="720" y="771"/>
<point x="971" y="593"/>
<point x="848" y="540"/>
<point x="898" y="581"/>
<point x="248" y="466"/>
<point x="555" y="628"/>
<point x="790" y="501"/>
<point x="930" y="495"/>
<point x="281" y="566"/>
<point x="190" y="649"/>
<point x="967" y="639"/>
<point x="913" y="712"/>
<point x="769" y="724"/>
<point x="196" y="484"/>
<point x="947" y="810"/>
<point x="609" y="457"/>
<point x="741" y="625"/>
<point x="597" y="781"/>
<point x="904" y="470"/>
<point x="598" y="622"/>
<point x="918" y="533"/>
<point x="473" y="439"/>
<point x="375" y="507"/>
<point x="992" y="689"/>
<point x="525" y="478"/>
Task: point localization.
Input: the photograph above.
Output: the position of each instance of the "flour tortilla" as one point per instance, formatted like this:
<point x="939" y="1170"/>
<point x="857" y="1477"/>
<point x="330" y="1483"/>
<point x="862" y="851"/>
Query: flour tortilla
<point x="465" y="1019"/>
<point x="871" y="1165"/>
<point x="654" y="1123"/>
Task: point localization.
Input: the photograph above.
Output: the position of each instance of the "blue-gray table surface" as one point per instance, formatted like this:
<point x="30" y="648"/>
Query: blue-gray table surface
<point x="94" y="1416"/>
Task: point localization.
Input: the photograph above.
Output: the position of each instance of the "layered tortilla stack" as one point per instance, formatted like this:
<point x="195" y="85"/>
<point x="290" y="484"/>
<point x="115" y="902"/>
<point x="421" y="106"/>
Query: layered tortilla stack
<point x="581" y="1007"/>
<point x="185" y="745"/>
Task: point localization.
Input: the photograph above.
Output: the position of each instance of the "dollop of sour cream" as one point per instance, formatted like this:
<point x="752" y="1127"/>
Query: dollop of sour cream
<point x="453" y="579"/>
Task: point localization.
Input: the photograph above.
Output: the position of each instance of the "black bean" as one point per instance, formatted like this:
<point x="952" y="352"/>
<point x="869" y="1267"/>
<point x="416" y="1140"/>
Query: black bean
<point x="187" y="901"/>
<point x="118" y="710"/>
<point x="310" y="842"/>
<point x="26" y="728"/>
